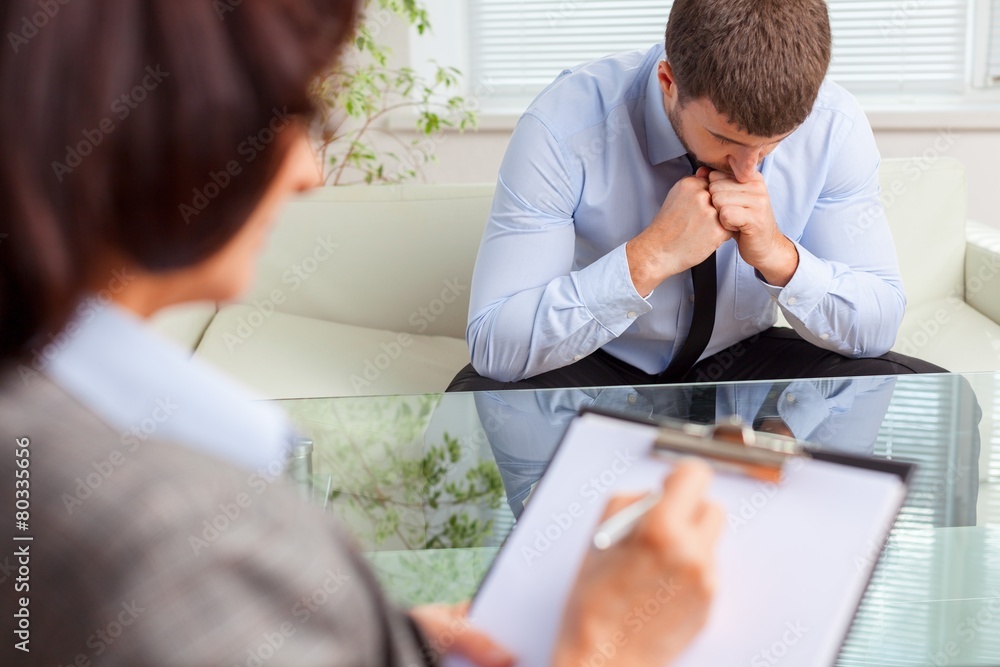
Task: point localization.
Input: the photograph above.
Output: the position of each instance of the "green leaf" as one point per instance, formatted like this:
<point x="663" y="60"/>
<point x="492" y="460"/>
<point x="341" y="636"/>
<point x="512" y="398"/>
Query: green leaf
<point x="363" y="88"/>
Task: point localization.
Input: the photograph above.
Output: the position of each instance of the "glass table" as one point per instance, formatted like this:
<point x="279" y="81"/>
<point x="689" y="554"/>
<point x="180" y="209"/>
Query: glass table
<point x="431" y="486"/>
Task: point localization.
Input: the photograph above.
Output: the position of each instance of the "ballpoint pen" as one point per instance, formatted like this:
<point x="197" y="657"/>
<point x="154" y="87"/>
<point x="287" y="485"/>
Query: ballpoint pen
<point x="619" y="525"/>
<point x="728" y="447"/>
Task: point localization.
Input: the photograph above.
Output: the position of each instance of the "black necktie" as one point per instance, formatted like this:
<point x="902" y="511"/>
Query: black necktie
<point x="702" y="322"/>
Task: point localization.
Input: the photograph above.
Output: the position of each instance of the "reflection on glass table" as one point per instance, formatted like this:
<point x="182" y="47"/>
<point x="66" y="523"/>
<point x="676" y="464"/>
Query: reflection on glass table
<point x="431" y="486"/>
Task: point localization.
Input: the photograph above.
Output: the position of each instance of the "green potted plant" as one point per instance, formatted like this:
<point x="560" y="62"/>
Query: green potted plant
<point x="359" y="96"/>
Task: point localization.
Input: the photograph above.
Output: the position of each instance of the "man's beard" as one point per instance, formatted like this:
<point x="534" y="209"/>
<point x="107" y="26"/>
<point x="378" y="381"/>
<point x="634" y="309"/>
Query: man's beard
<point x="675" y="120"/>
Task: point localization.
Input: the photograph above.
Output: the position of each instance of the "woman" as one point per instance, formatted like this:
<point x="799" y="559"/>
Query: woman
<point x="173" y="544"/>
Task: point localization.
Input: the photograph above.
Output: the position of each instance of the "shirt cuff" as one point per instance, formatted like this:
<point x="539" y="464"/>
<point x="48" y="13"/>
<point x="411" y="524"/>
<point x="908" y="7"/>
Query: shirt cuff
<point x="810" y="284"/>
<point x="802" y="406"/>
<point x="608" y="293"/>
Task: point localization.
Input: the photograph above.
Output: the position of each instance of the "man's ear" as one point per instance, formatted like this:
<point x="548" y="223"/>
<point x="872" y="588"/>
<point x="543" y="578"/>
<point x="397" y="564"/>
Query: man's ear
<point x="665" y="75"/>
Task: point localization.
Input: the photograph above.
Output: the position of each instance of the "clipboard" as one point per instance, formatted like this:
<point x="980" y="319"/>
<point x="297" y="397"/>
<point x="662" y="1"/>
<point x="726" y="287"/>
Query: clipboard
<point x="794" y="560"/>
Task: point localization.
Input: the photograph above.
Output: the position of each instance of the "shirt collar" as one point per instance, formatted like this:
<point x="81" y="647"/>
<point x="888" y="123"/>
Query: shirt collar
<point x="147" y="387"/>
<point x="662" y="144"/>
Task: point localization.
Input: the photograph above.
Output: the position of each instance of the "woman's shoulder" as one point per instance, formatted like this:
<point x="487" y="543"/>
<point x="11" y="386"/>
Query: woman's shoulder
<point x="166" y="528"/>
<point x="77" y="457"/>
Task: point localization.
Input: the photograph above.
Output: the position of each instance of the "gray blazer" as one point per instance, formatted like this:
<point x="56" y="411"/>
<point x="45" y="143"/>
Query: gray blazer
<point x="164" y="556"/>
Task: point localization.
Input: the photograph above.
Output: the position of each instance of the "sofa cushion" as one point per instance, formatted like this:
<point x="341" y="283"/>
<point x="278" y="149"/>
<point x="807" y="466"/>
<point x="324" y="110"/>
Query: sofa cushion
<point x="951" y="334"/>
<point x="287" y="356"/>
<point x="925" y="203"/>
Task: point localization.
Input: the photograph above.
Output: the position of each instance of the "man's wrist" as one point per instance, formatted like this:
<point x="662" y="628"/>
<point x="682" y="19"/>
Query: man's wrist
<point x="639" y="266"/>
<point x="785" y="262"/>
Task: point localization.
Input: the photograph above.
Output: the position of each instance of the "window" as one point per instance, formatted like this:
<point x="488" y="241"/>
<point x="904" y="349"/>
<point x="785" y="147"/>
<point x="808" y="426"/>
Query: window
<point x="993" y="59"/>
<point x="888" y="52"/>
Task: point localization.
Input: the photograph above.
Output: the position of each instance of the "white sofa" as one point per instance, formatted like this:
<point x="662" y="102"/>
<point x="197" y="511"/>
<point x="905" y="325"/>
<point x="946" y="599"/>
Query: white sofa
<point x="365" y="290"/>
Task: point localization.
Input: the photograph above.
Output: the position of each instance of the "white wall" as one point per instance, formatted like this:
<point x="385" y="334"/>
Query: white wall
<point x="474" y="158"/>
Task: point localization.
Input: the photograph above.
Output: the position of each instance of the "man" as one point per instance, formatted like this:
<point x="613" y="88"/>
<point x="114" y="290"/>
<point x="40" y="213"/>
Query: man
<point x="655" y="210"/>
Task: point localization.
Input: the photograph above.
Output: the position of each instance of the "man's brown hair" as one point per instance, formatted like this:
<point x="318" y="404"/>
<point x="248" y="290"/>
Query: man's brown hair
<point x="760" y="62"/>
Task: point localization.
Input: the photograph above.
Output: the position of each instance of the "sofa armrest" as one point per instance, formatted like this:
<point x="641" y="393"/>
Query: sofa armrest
<point x="982" y="269"/>
<point x="186" y="323"/>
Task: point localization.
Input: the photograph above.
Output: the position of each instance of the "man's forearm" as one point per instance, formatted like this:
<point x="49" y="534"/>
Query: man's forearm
<point x="544" y="328"/>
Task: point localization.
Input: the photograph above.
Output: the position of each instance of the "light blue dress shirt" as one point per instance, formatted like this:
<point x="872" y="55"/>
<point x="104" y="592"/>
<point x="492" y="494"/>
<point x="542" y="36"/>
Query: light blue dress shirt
<point x="588" y="167"/>
<point x="149" y="389"/>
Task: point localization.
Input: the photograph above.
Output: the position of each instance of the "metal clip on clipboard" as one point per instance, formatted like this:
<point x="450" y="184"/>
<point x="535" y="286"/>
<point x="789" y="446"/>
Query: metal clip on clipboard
<point x="730" y="446"/>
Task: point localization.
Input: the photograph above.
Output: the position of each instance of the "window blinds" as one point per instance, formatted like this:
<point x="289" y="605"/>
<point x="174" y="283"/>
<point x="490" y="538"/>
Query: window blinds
<point x="900" y="47"/>
<point x="993" y="64"/>
<point x="899" y="620"/>
<point x="520" y="47"/>
<point x="880" y="46"/>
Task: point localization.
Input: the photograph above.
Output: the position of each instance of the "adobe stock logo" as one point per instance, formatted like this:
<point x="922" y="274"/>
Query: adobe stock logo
<point x="217" y="181"/>
<point x="593" y="490"/>
<point x="30" y="25"/>
<point x="122" y="107"/>
<point x="781" y="647"/>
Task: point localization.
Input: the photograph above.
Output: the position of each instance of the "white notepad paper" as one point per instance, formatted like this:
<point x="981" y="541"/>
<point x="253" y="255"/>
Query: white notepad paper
<point x="794" y="559"/>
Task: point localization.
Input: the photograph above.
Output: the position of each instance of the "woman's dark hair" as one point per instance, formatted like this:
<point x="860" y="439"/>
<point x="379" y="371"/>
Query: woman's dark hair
<point x="146" y="128"/>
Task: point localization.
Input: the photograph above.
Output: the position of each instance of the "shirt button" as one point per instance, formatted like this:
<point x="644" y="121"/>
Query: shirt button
<point x="632" y="398"/>
<point x="691" y="298"/>
<point x="791" y="398"/>
<point x="578" y="357"/>
<point x="792" y="301"/>
<point x="631" y="314"/>
<point x="825" y="337"/>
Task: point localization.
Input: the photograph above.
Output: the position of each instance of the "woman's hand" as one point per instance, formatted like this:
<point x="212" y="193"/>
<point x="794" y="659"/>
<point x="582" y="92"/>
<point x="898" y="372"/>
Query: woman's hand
<point x="447" y="631"/>
<point x="642" y="601"/>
